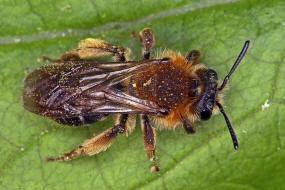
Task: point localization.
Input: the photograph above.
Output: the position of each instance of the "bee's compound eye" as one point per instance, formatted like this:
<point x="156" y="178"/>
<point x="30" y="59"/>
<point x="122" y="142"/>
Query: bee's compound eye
<point x="205" y="114"/>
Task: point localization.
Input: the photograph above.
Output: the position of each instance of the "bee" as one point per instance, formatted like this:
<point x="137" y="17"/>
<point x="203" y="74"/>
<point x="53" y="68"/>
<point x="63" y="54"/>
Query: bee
<point x="171" y="90"/>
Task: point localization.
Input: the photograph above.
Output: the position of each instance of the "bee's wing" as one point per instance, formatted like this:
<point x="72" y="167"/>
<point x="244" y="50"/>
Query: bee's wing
<point x="76" y="93"/>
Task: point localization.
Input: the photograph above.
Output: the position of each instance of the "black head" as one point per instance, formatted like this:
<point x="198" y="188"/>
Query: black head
<point x="208" y="98"/>
<point x="207" y="101"/>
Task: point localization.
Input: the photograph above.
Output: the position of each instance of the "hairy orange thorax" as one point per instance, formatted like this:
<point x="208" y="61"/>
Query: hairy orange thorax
<point x="167" y="85"/>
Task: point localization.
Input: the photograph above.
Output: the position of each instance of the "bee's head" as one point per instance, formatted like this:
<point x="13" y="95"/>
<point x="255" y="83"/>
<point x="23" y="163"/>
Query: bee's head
<point x="209" y="98"/>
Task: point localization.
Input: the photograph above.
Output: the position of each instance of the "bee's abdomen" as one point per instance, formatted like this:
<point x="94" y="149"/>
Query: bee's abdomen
<point x="80" y="120"/>
<point x="165" y="85"/>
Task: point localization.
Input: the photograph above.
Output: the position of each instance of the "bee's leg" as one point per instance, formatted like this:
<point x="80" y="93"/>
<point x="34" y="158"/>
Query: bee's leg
<point x="128" y="121"/>
<point x="89" y="49"/>
<point x="188" y="127"/>
<point x="147" y="39"/>
<point x="149" y="138"/>
<point x="192" y="57"/>
<point x="100" y="142"/>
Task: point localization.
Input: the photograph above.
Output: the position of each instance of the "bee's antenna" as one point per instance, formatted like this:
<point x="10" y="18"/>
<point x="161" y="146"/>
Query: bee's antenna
<point x="241" y="55"/>
<point x="232" y="132"/>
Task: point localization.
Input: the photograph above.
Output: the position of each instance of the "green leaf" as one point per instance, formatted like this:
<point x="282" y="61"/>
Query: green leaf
<point x="255" y="101"/>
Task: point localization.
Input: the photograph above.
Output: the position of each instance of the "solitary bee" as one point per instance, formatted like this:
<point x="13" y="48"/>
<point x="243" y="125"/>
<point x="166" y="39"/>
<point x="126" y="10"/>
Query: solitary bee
<point x="171" y="90"/>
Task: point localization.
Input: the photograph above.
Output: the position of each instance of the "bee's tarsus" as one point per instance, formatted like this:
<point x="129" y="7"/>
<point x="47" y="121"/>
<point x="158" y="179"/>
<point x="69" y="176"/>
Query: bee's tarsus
<point x="154" y="169"/>
<point x="49" y="159"/>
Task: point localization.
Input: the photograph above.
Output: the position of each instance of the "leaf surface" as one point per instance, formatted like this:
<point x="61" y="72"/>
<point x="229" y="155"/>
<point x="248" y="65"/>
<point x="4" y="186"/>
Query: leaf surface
<point x="254" y="102"/>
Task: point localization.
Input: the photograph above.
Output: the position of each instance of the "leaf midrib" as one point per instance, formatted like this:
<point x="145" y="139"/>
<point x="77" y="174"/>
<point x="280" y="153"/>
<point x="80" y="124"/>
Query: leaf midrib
<point x="111" y="25"/>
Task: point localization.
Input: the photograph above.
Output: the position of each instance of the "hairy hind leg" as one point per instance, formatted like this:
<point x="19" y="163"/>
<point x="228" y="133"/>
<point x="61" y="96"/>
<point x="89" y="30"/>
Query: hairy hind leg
<point x="89" y="49"/>
<point x="124" y="125"/>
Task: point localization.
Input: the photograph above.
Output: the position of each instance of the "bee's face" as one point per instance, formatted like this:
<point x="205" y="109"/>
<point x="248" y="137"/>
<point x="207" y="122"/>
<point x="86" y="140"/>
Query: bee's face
<point x="207" y="101"/>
